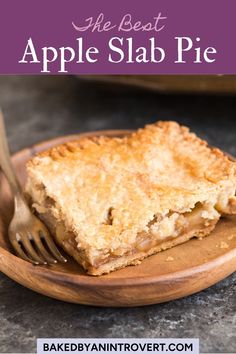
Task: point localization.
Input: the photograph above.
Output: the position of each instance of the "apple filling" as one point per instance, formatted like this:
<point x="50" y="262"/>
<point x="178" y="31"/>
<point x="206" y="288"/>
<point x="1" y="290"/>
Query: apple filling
<point x="169" y="227"/>
<point x="173" y="225"/>
<point x="160" y="229"/>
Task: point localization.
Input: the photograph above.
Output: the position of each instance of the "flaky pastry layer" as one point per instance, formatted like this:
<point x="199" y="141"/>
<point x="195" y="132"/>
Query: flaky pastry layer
<point x="111" y="202"/>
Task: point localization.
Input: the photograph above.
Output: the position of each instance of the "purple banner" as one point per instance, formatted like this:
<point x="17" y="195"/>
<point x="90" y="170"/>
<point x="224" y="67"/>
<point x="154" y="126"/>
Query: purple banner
<point x="117" y="37"/>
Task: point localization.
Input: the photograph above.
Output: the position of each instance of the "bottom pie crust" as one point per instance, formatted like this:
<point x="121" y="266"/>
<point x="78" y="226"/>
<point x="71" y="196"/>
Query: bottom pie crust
<point x="67" y="241"/>
<point x="136" y="258"/>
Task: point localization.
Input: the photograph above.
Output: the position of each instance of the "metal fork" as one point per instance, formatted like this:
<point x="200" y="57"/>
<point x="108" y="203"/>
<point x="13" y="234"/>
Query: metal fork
<point x="28" y="235"/>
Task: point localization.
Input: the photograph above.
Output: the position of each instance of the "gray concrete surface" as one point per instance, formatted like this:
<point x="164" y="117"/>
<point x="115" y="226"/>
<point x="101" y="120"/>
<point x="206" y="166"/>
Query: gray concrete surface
<point x="38" y="108"/>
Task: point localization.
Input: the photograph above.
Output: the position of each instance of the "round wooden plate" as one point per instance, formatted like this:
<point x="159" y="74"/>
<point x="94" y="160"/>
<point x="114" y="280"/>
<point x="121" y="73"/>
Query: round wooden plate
<point x="194" y="265"/>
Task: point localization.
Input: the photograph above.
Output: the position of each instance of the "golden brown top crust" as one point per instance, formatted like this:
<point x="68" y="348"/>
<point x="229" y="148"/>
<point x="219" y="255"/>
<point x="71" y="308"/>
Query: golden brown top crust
<point x="110" y="188"/>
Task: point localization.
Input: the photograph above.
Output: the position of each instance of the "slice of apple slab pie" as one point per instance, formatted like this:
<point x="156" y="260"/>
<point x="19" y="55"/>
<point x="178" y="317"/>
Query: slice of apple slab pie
<point x="111" y="202"/>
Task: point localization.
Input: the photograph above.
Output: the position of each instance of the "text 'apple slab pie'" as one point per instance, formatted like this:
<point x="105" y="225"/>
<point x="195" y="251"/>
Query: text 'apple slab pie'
<point x="110" y="202"/>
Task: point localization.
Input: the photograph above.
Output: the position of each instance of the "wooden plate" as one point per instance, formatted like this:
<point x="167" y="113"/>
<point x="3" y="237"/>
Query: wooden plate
<point x="196" y="264"/>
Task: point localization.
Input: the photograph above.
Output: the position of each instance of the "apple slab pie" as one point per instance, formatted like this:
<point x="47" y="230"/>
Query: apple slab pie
<point x="111" y="202"/>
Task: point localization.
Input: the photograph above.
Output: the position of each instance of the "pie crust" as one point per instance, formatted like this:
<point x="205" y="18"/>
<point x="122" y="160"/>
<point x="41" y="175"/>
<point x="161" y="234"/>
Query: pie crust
<point x="111" y="202"/>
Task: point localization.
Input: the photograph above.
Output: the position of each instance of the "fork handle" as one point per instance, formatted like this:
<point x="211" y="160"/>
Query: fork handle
<point x="5" y="160"/>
